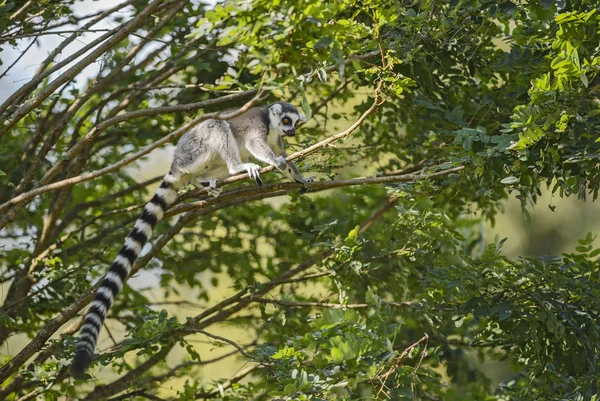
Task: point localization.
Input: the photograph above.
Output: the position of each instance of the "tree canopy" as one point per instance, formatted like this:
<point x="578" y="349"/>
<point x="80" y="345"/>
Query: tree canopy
<point x="375" y="280"/>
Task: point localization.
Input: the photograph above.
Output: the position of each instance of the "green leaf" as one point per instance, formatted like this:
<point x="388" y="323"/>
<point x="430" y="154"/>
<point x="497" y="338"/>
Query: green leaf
<point x="323" y="43"/>
<point x="306" y="108"/>
<point x="337" y="355"/>
<point x="504" y="311"/>
<point x="352" y="235"/>
<point x="289" y="389"/>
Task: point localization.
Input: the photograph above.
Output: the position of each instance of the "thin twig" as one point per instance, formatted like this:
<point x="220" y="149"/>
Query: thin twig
<point x="332" y="95"/>
<point x="18" y="58"/>
<point x="46" y="33"/>
<point x="225" y="340"/>
<point x="224" y="386"/>
<point x="325" y="304"/>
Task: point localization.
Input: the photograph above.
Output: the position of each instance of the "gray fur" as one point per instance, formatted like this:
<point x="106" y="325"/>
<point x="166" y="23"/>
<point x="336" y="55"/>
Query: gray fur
<point x="215" y="149"/>
<point x="210" y="151"/>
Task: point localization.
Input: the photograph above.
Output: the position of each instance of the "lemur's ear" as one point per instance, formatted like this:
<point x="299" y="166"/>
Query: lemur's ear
<point x="276" y="109"/>
<point x="301" y="118"/>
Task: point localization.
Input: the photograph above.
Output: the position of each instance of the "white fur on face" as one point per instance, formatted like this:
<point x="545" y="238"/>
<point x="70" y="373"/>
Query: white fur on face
<point x="283" y="119"/>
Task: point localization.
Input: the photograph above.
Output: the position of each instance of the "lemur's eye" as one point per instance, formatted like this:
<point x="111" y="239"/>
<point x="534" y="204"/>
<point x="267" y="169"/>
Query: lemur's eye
<point x="286" y="120"/>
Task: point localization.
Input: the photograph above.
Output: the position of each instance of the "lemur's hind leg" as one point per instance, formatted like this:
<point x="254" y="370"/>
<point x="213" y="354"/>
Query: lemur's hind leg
<point x="210" y="184"/>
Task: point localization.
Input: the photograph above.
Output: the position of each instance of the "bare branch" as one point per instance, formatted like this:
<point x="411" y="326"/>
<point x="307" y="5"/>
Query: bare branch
<point x="225" y="340"/>
<point x="19" y="57"/>
<point x="47" y="33"/>
<point x="224" y="386"/>
<point x="41" y="73"/>
<point x="137" y="393"/>
<point x="115" y="35"/>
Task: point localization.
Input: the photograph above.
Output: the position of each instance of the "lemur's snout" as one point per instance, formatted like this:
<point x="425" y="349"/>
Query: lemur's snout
<point x="290" y="132"/>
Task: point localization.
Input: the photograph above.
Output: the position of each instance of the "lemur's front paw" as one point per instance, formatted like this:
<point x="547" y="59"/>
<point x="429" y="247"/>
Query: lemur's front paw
<point x="252" y="169"/>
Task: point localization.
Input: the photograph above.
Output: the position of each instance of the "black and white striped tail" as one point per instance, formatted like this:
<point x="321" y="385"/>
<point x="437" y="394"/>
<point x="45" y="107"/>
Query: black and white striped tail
<point x="112" y="283"/>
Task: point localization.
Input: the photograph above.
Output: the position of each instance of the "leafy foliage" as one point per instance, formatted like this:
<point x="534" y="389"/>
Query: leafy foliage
<point x="384" y="291"/>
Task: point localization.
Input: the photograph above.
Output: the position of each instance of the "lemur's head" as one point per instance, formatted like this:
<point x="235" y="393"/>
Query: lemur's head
<point x="283" y="117"/>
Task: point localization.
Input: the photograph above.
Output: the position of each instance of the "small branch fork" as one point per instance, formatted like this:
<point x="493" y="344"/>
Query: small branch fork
<point x="398" y="360"/>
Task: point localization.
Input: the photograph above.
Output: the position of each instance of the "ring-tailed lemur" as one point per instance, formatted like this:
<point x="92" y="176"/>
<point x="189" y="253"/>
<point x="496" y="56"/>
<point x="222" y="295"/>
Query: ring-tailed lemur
<point x="256" y="133"/>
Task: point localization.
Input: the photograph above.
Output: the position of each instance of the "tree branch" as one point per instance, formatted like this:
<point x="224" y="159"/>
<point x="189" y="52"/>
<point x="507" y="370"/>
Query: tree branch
<point x="280" y="188"/>
<point x="225" y="340"/>
<point x="96" y="87"/>
<point x="222" y="387"/>
<point x="325" y="304"/>
<point x="72" y="213"/>
<point x="19" y="57"/>
<point x="41" y="74"/>
<point x="116" y="35"/>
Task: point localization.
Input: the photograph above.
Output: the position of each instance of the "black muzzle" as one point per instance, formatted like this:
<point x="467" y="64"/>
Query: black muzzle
<point x="290" y="132"/>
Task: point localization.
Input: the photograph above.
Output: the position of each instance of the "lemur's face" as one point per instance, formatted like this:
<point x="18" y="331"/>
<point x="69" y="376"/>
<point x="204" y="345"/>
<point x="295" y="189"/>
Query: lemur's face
<point x="283" y="117"/>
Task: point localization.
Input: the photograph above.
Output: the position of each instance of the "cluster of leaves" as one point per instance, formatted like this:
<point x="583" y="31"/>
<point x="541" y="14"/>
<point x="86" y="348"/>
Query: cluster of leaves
<point x="378" y="292"/>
